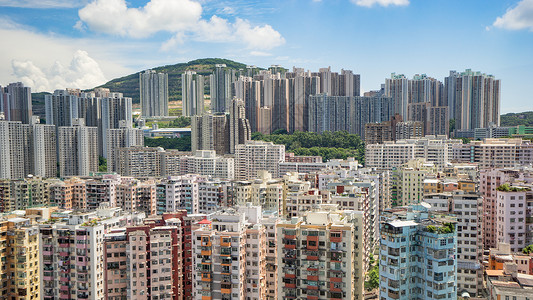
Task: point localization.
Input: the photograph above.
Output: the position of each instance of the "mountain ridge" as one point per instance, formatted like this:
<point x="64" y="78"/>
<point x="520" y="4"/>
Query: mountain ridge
<point x="129" y="84"/>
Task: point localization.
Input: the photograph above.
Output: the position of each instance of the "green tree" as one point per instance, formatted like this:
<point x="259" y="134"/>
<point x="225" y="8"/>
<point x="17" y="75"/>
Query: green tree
<point x="372" y="281"/>
<point x="102" y="164"/>
<point x="528" y="249"/>
<point x="181" y="144"/>
<point x="452" y="125"/>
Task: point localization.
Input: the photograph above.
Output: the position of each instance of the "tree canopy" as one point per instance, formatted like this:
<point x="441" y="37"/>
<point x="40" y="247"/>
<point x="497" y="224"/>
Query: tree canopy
<point x="329" y="145"/>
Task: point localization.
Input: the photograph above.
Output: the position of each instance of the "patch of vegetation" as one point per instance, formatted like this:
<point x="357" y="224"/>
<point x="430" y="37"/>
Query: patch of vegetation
<point x="174" y="111"/>
<point x="37" y="103"/>
<point x="514" y="119"/>
<point x="528" y="249"/>
<point x="507" y="188"/>
<point x="102" y="164"/>
<point x="179" y="122"/>
<point x="181" y="144"/>
<point x="372" y="281"/>
<point x="466" y="140"/>
<point x="336" y="145"/>
<point x="444" y="229"/>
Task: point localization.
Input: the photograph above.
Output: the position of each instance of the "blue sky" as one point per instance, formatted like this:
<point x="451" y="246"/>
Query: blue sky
<point x="51" y="44"/>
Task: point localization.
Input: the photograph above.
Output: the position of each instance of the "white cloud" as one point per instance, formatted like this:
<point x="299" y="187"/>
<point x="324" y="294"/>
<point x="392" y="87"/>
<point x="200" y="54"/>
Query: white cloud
<point x="518" y="17"/>
<point x="260" y="53"/>
<point x="114" y="17"/>
<point x="214" y="30"/>
<point x="181" y="18"/>
<point x="83" y="72"/>
<point x="43" y="3"/>
<point x="385" y="3"/>
<point x="20" y="60"/>
<point x="258" y="37"/>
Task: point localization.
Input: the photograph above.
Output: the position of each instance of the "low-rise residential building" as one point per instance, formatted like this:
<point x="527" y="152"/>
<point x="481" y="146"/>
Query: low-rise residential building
<point x="508" y="284"/>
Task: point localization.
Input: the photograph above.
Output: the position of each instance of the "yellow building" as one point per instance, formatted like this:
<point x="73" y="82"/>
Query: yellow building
<point x="3" y="259"/>
<point x="22" y="260"/>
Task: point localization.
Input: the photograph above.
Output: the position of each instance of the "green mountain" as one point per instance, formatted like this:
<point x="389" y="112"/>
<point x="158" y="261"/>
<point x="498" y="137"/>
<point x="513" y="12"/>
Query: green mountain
<point x="514" y="119"/>
<point x="129" y="85"/>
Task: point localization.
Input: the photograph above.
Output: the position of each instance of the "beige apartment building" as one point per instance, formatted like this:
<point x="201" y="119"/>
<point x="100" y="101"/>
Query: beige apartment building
<point x="319" y="256"/>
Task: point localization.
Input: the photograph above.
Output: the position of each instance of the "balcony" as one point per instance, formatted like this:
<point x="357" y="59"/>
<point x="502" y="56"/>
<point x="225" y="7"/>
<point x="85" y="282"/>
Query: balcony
<point x="393" y="294"/>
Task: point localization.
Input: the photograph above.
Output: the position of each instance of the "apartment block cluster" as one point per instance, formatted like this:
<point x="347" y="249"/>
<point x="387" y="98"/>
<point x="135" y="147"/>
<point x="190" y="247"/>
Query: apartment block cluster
<point x="434" y="217"/>
<point x="191" y="237"/>
<point x="299" y="100"/>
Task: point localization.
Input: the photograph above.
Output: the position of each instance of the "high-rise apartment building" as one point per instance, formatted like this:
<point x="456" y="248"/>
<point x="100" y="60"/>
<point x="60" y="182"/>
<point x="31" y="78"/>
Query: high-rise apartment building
<point x="192" y="94"/>
<point x="27" y="149"/>
<point x="61" y="108"/>
<point x="153" y="87"/>
<point x="417" y="255"/>
<point x="138" y="161"/>
<point x="301" y="86"/>
<point x="334" y="84"/>
<point x="123" y="137"/>
<point x="473" y="99"/>
<point x="254" y="156"/>
<point x="72" y="261"/>
<point x="513" y="215"/>
<point x="15" y="102"/>
<point x="101" y="108"/>
<point x="280" y="101"/>
<point x="397" y="87"/>
<point x="408" y="182"/>
<point x="239" y="126"/>
<point x="220" y="88"/>
<point x="221" y="132"/>
<point x="438" y="121"/>
<point x="15" y="156"/>
<point x="179" y="192"/>
<point x="337" y="113"/>
<point x="115" y="114"/>
<point x="489" y="181"/>
<point x="319" y="256"/>
<point x="160" y="249"/>
<point x="229" y="254"/>
<point x="78" y="149"/>
<point x="465" y="203"/>
<point x="210" y="132"/>
<point x="408" y="130"/>
<point x="262" y="191"/>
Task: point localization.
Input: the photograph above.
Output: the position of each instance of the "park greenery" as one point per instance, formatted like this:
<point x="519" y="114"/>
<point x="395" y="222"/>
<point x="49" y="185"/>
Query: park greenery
<point x="329" y="145"/>
<point x="181" y="144"/>
<point x="179" y="122"/>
